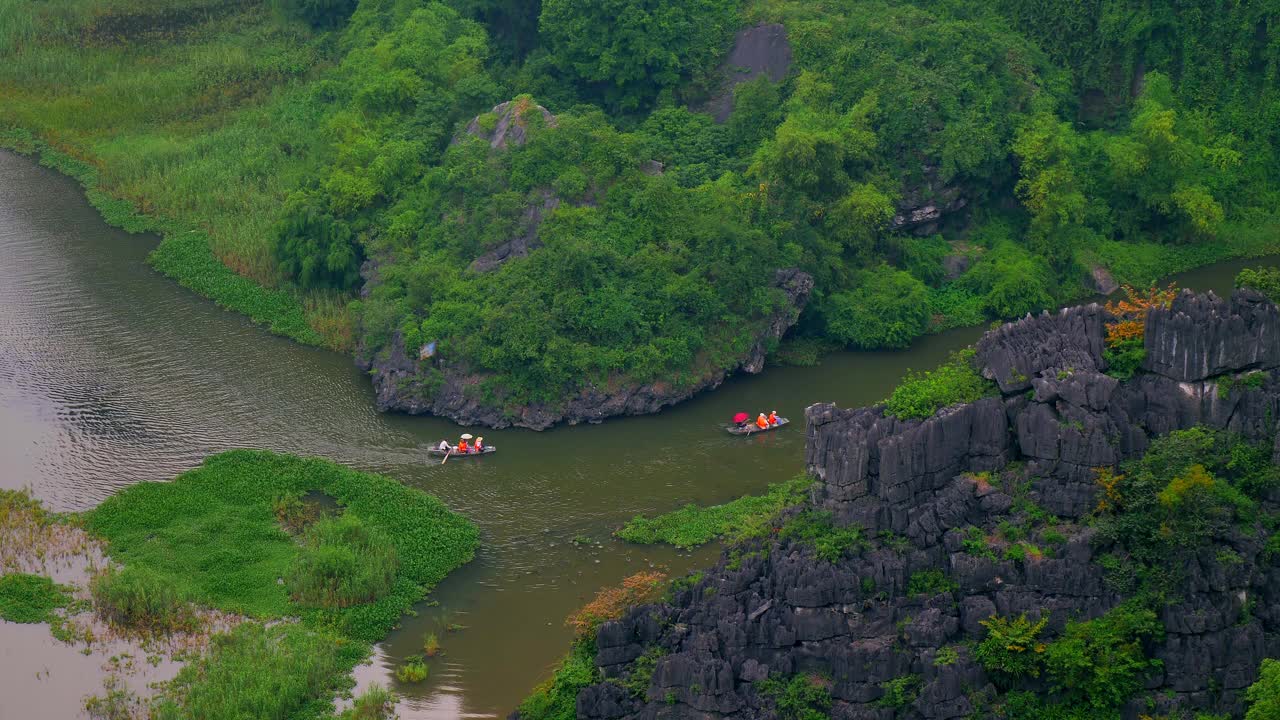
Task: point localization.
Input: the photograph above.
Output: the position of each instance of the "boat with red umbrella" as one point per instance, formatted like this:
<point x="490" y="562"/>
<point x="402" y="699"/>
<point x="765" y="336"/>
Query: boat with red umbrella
<point x="743" y="425"/>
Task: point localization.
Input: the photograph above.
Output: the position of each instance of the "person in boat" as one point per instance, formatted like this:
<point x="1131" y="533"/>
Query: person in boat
<point x="479" y="446"/>
<point x="762" y="422"/>
<point x="463" y="448"/>
<point x="444" y="446"/>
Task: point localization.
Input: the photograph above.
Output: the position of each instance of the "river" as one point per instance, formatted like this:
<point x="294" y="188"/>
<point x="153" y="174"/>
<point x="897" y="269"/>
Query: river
<point x="111" y="374"/>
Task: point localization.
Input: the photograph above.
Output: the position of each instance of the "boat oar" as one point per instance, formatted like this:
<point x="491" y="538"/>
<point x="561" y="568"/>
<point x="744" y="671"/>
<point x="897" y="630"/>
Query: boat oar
<point x="447" y="453"/>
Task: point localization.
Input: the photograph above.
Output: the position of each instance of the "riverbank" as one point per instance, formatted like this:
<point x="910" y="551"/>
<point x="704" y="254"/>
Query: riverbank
<point x="184" y="253"/>
<point x="272" y="574"/>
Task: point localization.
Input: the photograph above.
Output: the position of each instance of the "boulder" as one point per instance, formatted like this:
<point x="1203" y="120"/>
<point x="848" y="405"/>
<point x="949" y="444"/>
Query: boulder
<point x="508" y="123"/>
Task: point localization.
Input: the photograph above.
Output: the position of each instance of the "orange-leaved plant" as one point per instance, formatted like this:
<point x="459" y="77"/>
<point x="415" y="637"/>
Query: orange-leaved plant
<point x="610" y="603"/>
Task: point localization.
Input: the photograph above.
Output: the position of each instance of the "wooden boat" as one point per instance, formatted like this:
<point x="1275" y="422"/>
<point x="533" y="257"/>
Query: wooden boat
<point x="436" y="451"/>
<point x="751" y="428"/>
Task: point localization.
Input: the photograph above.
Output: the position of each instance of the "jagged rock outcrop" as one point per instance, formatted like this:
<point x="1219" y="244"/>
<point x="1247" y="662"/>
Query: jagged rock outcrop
<point x="917" y="485"/>
<point x="924" y="206"/>
<point x="404" y="383"/>
<point x="508" y="123"/>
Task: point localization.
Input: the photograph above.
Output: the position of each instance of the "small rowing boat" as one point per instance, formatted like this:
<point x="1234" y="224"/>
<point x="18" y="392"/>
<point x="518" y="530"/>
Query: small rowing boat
<point x="453" y="452"/>
<point x="751" y="428"/>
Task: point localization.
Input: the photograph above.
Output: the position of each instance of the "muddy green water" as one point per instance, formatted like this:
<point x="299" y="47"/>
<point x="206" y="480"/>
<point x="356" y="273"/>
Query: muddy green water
<point x="111" y="374"/>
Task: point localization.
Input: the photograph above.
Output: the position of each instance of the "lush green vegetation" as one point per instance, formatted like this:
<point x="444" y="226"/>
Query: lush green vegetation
<point x="818" y="530"/>
<point x="1264" y="695"/>
<point x="1265" y="280"/>
<point x="141" y="599"/>
<point x="692" y="525"/>
<point x="219" y="536"/>
<point x="278" y="672"/>
<point x="342" y="563"/>
<point x="930" y="582"/>
<point x="1192" y="490"/>
<point x="26" y="598"/>
<point x="212" y="536"/>
<point x="800" y="697"/>
<point x="921" y="394"/>
<point x="279" y="146"/>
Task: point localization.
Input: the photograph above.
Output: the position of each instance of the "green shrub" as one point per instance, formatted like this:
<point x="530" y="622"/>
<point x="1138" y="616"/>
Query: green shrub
<point x="920" y="395"/>
<point x="1012" y="649"/>
<point x="1125" y="358"/>
<point x="629" y="50"/>
<point x="899" y="692"/>
<point x="412" y="670"/>
<point x="138" y="598"/>
<point x="29" y="598"/>
<point x="975" y="543"/>
<point x="1101" y="663"/>
<point x="802" y="697"/>
<point x="342" y="563"/>
<point x="691" y="525"/>
<point x="642" y="671"/>
<point x="1264" y="694"/>
<point x="947" y="655"/>
<point x="1265" y="280"/>
<point x="375" y="703"/>
<point x="269" y="673"/>
<point x="315" y="249"/>
<point x="930" y="582"/>
<point x="817" y="529"/>
<point x="888" y="309"/>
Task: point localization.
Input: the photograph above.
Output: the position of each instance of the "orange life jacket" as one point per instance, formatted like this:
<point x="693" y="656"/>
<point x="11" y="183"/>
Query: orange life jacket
<point x="462" y="446"/>
<point x="773" y="418"/>
<point x="761" y="422"/>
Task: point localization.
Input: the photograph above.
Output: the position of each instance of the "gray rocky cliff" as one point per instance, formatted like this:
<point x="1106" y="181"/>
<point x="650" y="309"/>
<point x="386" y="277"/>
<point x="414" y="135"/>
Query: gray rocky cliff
<point x="775" y="609"/>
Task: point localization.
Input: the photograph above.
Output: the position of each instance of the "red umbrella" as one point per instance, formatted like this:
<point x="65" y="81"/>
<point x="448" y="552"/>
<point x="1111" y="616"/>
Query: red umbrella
<point x="741" y="417"/>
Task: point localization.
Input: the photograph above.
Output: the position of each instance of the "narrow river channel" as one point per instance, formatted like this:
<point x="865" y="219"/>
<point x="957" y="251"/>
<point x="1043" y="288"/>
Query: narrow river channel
<point x="111" y="374"/>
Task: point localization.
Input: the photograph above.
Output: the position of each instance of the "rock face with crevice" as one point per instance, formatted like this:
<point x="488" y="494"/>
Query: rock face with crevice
<point x="914" y="486"/>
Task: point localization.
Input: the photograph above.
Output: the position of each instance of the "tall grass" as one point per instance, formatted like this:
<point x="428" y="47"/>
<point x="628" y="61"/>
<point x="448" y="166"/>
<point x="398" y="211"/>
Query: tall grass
<point x="195" y="116"/>
<point x="140" y="599"/>
<point x="266" y="673"/>
<point x="342" y="563"/>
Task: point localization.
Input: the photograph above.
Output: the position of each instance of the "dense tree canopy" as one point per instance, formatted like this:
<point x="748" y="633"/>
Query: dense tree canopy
<point x="929" y="163"/>
<point x="631" y="49"/>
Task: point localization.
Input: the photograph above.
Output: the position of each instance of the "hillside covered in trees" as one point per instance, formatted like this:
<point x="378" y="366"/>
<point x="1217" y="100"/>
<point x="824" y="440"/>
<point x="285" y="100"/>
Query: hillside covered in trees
<point x="502" y="204"/>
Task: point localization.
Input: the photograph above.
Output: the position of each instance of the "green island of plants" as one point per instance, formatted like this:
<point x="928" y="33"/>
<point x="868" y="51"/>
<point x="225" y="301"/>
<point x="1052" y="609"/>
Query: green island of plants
<point x="26" y="598"/>
<point x="319" y="560"/>
<point x="279" y="147"/>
